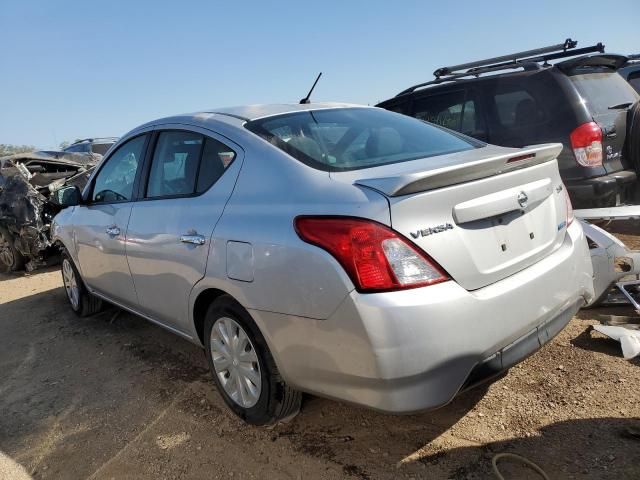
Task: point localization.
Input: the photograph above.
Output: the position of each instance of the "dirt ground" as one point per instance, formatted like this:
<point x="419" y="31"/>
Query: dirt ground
<point x="114" y="397"/>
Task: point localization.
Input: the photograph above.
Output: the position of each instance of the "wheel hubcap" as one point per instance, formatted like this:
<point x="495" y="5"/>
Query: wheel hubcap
<point x="70" y="284"/>
<point x="235" y="362"/>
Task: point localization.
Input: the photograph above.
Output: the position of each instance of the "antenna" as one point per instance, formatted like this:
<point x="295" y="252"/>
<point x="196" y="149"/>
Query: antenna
<point x="305" y="100"/>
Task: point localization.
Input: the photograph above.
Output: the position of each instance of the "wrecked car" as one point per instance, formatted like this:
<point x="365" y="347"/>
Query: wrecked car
<point x="26" y="210"/>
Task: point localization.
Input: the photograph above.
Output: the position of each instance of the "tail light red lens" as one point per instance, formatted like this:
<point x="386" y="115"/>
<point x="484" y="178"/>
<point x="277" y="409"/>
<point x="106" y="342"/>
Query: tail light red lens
<point x="375" y="257"/>
<point x="586" y="141"/>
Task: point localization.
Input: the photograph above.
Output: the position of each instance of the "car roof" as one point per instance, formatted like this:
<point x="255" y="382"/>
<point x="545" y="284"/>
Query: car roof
<point x="236" y="116"/>
<point x="254" y="112"/>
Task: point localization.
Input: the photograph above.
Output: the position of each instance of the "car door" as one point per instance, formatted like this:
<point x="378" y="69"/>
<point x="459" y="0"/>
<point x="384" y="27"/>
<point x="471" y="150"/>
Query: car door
<point x="188" y="181"/>
<point x="101" y="222"/>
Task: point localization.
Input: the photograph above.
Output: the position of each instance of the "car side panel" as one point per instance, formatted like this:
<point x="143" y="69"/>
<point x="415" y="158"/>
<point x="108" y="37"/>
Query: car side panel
<point x="280" y="272"/>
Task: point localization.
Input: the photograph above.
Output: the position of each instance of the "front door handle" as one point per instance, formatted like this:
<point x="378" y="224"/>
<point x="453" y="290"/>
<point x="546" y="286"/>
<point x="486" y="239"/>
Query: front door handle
<point x="113" y="230"/>
<point x="193" y="238"/>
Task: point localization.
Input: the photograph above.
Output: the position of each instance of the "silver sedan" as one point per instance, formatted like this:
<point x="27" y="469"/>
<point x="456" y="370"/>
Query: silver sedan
<point x="344" y="251"/>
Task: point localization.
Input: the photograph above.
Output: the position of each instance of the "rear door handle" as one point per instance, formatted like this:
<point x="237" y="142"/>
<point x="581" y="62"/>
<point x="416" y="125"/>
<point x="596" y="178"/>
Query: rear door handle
<point x="113" y="230"/>
<point x="194" y="239"/>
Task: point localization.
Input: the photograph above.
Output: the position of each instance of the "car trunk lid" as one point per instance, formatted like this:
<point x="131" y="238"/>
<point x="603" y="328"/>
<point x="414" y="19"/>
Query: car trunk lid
<point x="483" y="215"/>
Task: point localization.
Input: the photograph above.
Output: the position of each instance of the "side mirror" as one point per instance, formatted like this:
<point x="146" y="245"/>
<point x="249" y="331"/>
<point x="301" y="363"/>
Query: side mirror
<point x="68" y="196"/>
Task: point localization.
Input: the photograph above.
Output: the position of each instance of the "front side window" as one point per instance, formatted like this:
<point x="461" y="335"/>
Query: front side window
<point x="353" y="138"/>
<point x="175" y="164"/>
<point x="114" y="182"/>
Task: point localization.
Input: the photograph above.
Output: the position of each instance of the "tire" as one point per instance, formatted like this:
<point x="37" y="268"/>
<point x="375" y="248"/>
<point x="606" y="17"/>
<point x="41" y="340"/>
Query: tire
<point x="633" y="137"/>
<point x="81" y="301"/>
<point x="270" y="401"/>
<point x="10" y="258"/>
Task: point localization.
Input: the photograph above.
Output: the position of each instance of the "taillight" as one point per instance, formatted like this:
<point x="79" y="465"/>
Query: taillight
<point x="375" y="257"/>
<point x="586" y="141"/>
<point x="569" y="206"/>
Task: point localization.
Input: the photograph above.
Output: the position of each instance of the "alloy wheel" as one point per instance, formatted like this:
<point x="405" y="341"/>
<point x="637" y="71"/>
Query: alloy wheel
<point x="70" y="283"/>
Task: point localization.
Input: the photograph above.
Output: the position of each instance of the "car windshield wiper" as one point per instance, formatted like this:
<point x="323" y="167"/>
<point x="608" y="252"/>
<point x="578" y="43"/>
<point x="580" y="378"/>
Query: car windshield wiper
<point x="621" y="106"/>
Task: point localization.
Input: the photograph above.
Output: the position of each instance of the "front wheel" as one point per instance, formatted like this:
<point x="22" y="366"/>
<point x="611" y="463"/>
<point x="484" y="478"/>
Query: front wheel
<point x="82" y="302"/>
<point x="243" y="368"/>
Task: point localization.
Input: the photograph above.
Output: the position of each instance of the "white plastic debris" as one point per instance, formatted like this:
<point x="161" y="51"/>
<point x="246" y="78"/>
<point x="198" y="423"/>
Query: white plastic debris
<point x="629" y="339"/>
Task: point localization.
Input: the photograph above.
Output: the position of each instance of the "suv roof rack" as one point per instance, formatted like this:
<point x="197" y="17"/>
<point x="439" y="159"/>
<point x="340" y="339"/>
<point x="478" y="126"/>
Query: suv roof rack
<point x="529" y="60"/>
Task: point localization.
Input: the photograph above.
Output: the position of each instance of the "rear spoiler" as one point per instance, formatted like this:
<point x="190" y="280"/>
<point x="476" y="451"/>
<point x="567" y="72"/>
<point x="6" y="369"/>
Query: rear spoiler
<point x="490" y="166"/>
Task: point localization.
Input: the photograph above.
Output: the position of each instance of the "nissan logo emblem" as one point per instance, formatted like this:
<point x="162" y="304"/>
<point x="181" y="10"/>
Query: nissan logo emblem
<point x="523" y="200"/>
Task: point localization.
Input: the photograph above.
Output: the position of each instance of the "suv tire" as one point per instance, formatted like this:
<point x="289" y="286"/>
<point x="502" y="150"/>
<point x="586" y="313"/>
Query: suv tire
<point x="237" y="352"/>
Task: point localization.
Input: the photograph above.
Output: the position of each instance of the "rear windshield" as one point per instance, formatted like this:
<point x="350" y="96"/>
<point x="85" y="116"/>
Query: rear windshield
<point x="603" y="90"/>
<point x="101" y="148"/>
<point x="354" y="138"/>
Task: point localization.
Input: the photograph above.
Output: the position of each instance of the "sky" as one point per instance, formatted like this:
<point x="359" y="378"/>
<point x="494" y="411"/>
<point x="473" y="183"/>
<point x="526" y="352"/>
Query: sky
<point x="77" y="69"/>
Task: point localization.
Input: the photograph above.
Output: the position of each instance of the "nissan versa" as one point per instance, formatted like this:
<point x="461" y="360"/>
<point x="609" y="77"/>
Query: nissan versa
<point x="345" y="251"/>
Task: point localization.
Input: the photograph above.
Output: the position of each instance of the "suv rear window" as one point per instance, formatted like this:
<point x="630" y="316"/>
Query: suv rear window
<point x="354" y="138"/>
<point x="603" y="90"/>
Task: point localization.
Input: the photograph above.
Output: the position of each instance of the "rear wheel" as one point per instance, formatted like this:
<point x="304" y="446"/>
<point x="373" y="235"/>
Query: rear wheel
<point x="243" y="368"/>
<point x="81" y="301"/>
<point x="10" y="258"/>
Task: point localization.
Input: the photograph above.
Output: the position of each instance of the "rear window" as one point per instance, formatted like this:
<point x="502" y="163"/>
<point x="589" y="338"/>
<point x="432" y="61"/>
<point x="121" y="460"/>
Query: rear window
<point x="603" y="90"/>
<point x="101" y="148"/>
<point x="354" y="138"/>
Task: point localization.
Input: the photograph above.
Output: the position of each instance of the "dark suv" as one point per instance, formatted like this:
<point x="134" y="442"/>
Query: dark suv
<point x="580" y="102"/>
<point x="92" y="145"/>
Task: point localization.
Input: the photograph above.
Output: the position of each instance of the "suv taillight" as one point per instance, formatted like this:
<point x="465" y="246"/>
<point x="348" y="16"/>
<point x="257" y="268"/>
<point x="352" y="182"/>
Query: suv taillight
<point x="586" y="141"/>
<point x="375" y="257"/>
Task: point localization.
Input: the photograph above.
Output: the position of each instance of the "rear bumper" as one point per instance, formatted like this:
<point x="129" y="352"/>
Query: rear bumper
<point x="606" y="191"/>
<point x="412" y="350"/>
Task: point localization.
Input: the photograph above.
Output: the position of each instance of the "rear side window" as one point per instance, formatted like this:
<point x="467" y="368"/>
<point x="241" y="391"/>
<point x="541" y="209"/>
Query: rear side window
<point x="353" y="138"/>
<point x="216" y="157"/>
<point x="602" y="90"/>
<point x="517" y="108"/>
<point x="175" y="164"/>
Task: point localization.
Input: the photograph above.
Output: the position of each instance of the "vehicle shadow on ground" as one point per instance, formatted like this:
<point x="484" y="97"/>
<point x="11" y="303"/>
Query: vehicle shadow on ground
<point x="595" y="448"/>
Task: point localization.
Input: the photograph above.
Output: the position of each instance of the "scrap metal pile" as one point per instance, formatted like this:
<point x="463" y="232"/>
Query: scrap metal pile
<point x="616" y="274"/>
<point x="27" y="181"/>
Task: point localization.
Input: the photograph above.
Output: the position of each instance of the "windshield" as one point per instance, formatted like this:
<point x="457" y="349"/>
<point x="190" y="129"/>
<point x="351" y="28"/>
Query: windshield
<point x="353" y="138"/>
<point x="603" y="90"/>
